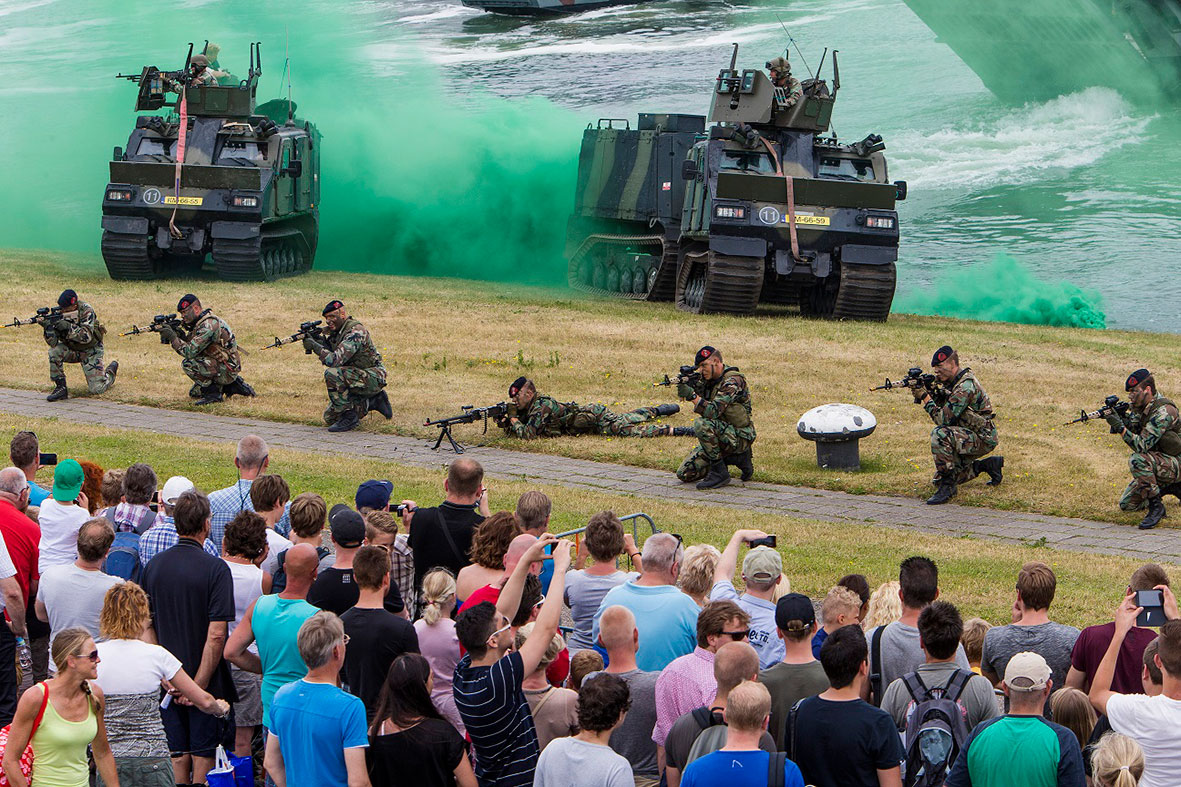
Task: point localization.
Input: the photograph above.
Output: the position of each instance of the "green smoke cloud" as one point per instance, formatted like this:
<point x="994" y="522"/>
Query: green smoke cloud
<point x="1005" y="290"/>
<point x="416" y="178"/>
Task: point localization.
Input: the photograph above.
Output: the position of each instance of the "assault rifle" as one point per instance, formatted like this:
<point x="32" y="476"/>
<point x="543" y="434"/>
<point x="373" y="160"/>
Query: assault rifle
<point x="310" y="328"/>
<point x="470" y="415"/>
<point x="45" y="315"/>
<point x="688" y="375"/>
<point x="158" y="322"/>
<point x="1111" y="404"/>
<point x="915" y="378"/>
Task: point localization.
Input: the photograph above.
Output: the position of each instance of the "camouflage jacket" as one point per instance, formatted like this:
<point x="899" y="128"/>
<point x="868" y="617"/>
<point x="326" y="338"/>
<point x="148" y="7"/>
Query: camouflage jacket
<point x="1158" y="428"/>
<point x="351" y="345"/>
<point x="85" y="332"/>
<point x="967" y="405"/>
<point x="793" y="92"/>
<point x="206" y="78"/>
<point x="727" y="399"/>
<point x="210" y="337"/>
<point x="544" y="418"/>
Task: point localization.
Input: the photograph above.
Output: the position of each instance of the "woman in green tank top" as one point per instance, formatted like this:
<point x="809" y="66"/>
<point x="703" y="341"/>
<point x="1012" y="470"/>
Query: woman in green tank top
<point x="73" y="720"/>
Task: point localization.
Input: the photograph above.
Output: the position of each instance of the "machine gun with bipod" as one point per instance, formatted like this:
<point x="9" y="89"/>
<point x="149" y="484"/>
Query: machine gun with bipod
<point x="1111" y="404"/>
<point x="470" y="415"/>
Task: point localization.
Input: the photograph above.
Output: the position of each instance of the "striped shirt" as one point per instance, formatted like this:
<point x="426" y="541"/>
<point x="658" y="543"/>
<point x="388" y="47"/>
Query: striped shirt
<point x="224" y="505"/>
<point x="498" y="721"/>
<point x="161" y="536"/>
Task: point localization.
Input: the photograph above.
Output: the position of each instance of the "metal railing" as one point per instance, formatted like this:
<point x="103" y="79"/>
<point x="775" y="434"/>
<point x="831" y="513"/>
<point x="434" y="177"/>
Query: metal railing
<point x="633" y="518"/>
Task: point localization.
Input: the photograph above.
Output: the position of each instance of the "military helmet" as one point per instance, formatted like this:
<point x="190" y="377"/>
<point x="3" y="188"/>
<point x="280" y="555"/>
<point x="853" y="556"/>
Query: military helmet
<point x="779" y="64"/>
<point x="199" y="60"/>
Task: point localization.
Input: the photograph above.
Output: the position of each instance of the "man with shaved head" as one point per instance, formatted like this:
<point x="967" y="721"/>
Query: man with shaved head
<point x="734" y="663"/>
<point x="667" y="616"/>
<point x="273" y="622"/>
<point x="633" y="739"/>
<point x="252" y="459"/>
<point x="516" y="550"/>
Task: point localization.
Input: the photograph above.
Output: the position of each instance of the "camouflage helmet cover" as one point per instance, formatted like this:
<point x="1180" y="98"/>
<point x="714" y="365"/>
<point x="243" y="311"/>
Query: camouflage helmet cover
<point x="779" y="64"/>
<point x="199" y="60"/>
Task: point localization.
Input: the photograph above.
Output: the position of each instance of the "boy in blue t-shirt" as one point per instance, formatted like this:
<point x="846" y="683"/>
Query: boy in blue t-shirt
<point x="741" y="763"/>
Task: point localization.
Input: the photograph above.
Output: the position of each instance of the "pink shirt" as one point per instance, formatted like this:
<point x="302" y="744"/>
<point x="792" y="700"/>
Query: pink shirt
<point x="686" y="683"/>
<point x="440" y="647"/>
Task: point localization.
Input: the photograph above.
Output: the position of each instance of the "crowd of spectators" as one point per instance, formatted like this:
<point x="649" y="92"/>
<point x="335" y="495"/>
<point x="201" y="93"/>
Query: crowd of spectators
<point x="386" y="643"/>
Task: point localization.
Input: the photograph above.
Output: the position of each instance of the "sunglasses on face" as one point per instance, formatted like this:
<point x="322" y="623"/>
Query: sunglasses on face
<point x="737" y="636"/>
<point x="92" y="655"/>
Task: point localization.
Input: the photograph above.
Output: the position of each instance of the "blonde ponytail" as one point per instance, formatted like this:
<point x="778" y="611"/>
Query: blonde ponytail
<point x="438" y="591"/>
<point x="1118" y="761"/>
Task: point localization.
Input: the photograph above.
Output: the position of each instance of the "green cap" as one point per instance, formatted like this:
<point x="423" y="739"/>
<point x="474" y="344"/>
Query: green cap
<point x="67" y="481"/>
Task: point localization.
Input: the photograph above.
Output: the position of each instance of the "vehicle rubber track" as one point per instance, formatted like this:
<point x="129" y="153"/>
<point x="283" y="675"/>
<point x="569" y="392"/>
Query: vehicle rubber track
<point x="127" y="257"/>
<point x="618" y="240"/>
<point x="709" y="282"/>
<point x="865" y="293"/>
<point x="665" y="287"/>
<point x="239" y="259"/>
<point x="274" y="256"/>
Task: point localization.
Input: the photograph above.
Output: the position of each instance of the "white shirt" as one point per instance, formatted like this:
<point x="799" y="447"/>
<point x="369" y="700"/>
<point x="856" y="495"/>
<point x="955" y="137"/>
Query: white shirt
<point x="7" y="568"/>
<point x="74" y="597"/>
<point x="59" y="533"/>
<point x="247" y="589"/>
<point x="277" y="544"/>
<point x="1154" y="723"/>
<point x="132" y="666"/>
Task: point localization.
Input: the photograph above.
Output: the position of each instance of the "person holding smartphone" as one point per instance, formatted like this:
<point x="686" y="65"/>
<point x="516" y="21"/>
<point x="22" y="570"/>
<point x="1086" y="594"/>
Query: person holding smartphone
<point x="762" y="571"/>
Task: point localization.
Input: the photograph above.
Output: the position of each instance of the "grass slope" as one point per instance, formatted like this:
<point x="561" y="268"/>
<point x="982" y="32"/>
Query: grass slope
<point x="448" y="343"/>
<point x="976" y="575"/>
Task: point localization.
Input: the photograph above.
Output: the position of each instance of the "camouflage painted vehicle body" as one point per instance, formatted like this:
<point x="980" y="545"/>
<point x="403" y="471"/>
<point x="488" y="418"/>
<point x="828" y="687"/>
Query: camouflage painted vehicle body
<point x="542" y="7"/>
<point x="1034" y="50"/>
<point x="759" y="209"/>
<point x="249" y="186"/>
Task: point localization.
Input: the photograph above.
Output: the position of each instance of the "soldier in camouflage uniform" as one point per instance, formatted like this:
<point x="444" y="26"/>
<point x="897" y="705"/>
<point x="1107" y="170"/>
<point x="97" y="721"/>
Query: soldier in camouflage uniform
<point x="963" y="431"/>
<point x="1152" y="429"/>
<point x="209" y="353"/>
<point x="199" y="74"/>
<point x="538" y="415"/>
<point x="780" y="71"/>
<point x="724" y="429"/>
<point x="77" y="337"/>
<point x="354" y="375"/>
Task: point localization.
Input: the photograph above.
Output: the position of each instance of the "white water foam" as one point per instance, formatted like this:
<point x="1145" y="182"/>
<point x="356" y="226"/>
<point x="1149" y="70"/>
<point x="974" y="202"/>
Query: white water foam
<point x="1019" y="146"/>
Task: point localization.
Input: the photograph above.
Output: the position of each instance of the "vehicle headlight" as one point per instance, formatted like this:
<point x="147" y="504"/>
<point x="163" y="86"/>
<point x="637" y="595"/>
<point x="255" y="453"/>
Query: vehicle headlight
<point x="730" y="212"/>
<point x="245" y="202"/>
<point x="880" y="222"/>
<point x="119" y="195"/>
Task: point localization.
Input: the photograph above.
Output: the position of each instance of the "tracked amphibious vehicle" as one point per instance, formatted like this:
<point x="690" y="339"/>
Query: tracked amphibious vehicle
<point x="215" y="176"/>
<point x="759" y="208"/>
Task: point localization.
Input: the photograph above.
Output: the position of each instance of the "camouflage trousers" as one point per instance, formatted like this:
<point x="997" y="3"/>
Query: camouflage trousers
<point x="597" y="419"/>
<point x="346" y="383"/>
<point x="716" y="440"/>
<point x="1149" y="471"/>
<point x="955" y="448"/>
<point x="97" y="378"/>
<point x="204" y="370"/>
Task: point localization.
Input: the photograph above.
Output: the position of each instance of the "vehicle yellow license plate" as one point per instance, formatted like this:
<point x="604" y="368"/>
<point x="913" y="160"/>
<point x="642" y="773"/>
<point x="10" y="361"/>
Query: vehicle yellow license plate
<point x="815" y="221"/>
<point x="199" y="200"/>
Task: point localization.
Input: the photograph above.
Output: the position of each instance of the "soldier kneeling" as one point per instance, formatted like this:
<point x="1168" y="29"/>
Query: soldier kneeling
<point x="724" y="429"/>
<point x="1152" y="430"/>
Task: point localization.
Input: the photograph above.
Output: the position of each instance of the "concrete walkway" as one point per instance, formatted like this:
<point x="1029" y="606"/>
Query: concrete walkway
<point x="1075" y="534"/>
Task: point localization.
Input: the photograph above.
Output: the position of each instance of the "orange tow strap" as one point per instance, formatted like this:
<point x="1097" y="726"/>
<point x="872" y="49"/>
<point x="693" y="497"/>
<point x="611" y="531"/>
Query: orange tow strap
<point x="791" y="201"/>
<point x="180" y="157"/>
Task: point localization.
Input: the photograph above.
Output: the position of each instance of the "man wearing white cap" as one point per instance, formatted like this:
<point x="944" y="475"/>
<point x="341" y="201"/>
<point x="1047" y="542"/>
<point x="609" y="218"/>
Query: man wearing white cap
<point x="1021" y="747"/>
<point x="162" y="535"/>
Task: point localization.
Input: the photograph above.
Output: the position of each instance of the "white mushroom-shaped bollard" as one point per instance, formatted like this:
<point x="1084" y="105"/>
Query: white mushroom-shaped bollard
<point x="836" y="428"/>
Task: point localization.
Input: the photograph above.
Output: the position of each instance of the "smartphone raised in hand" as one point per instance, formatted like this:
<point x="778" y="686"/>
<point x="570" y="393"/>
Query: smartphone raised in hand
<point x="769" y="541"/>
<point x="1152" y="603"/>
<point x="47" y="460"/>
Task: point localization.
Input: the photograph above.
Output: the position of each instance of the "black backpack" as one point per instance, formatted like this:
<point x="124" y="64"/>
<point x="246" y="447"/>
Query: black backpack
<point x="935" y="731"/>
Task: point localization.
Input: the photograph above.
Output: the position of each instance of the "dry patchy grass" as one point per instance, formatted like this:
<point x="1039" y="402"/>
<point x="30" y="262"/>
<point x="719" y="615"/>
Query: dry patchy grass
<point x="976" y="575"/>
<point x="448" y="343"/>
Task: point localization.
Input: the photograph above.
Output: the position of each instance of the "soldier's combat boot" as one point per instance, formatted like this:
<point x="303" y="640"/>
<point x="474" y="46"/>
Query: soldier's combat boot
<point x="112" y="370"/>
<point x="945" y="491"/>
<point x="719" y="475"/>
<point x="210" y="394"/>
<point x="667" y="409"/>
<point x="348" y="421"/>
<point x="195" y="391"/>
<point x="743" y="463"/>
<point x="683" y="431"/>
<point x="59" y="391"/>
<point x="993" y="466"/>
<point x="239" y="387"/>
<point x="1156" y="512"/>
<point x="381" y="403"/>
